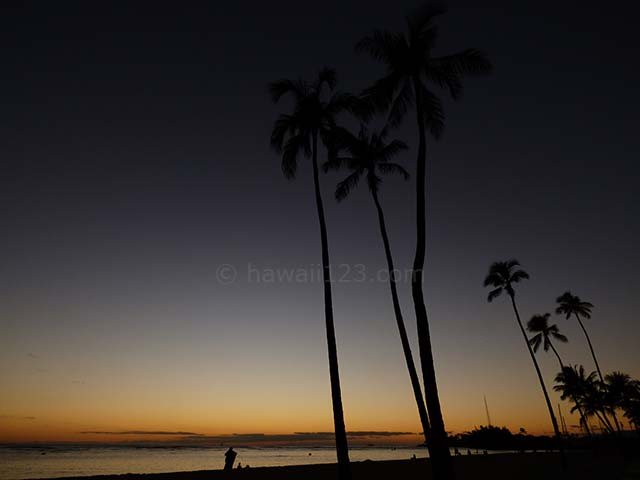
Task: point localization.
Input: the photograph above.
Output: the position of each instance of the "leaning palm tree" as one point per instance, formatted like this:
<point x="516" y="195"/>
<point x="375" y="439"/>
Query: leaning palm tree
<point x="312" y="119"/>
<point x="369" y="155"/>
<point x="573" y="382"/>
<point x="502" y="277"/>
<point x="544" y="333"/>
<point x="412" y="69"/>
<point x="569" y="304"/>
<point x="631" y="405"/>
<point x="618" y="386"/>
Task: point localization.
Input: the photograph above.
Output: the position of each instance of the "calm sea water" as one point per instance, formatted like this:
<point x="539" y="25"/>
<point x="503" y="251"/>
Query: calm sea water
<point x="22" y="463"/>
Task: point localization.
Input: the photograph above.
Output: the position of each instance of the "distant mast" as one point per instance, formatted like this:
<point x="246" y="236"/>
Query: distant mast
<point x="562" y="421"/>
<point x="486" y="409"/>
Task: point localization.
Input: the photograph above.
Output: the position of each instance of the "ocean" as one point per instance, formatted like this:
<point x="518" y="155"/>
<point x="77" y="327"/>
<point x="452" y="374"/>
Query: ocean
<point x="45" y="462"/>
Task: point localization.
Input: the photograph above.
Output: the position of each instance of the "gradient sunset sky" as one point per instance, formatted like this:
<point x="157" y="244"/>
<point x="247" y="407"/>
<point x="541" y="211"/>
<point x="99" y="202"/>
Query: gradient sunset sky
<point x="136" y="162"/>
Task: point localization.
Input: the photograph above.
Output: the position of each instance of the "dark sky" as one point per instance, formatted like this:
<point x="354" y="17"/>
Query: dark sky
<point x="135" y="161"/>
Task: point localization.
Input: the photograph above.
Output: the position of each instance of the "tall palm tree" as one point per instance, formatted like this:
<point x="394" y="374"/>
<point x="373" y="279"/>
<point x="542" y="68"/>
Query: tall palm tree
<point x="544" y="333"/>
<point x="369" y="155"/>
<point x="569" y="304"/>
<point x="412" y="67"/>
<point x="295" y="134"/>
<point x="502" y="277"/>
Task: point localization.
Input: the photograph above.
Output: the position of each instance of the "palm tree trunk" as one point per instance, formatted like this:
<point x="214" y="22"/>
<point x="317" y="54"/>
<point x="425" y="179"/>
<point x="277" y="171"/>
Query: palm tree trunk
<point x="406" y="347"/>
<point x="554" y="422"/>
<point x="342" y="447"/>
<point x="438" y="449"/>
<point x="557" y="356"/>
<point x="605" y="422"/>
<point x="595" y="360"/>
<point x="593" y="353"/>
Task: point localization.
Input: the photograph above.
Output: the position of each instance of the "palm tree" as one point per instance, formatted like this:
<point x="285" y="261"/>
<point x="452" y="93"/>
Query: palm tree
<point x="569" y="304"/>
<point x="619" y="386"/>
<point x="631" y="405"/>
<point x="314" y="116"/>
<point x="544" y="333"/>
<point x="370" y="155"/>
<point x="539" y="325"/>
<point x="574" y="383"/>
<point x="411" y="67"/>
<point x="502" y="277"/>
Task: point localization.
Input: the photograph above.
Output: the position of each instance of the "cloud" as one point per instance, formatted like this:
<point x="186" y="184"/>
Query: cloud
<point x="291" y="438"/>
<point x="142" y="432"/>
<point x="191" y="439"/>
<point x="17" y="417"/>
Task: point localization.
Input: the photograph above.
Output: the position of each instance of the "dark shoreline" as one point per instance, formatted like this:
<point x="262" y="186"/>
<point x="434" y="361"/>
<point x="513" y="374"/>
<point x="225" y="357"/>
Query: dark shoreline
<point x="534" y="466"/>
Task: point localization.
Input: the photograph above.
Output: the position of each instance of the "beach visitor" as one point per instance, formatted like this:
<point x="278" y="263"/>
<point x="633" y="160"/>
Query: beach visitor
<point x="229" y="458"/>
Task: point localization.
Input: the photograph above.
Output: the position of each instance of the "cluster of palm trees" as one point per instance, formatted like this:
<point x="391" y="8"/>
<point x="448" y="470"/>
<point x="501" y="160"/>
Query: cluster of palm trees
<point x="601" y="400"/>
<point x="413" y="75"/>
<point x="593" y="395"/>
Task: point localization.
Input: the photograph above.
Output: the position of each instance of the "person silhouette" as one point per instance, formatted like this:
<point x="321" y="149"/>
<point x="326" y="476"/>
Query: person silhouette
<point x="229" y="458"/>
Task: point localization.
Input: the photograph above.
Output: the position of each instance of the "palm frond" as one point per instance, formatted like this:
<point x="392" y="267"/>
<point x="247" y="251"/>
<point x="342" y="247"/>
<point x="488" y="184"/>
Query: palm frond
<point x="373" y="181"/>
<point x="292" y="148"/>
<point x="336" y="163"/>
<point x="559" y="336"/>
<point x="382" y="45"/>
<point x="535" y="342"/>
<point x="361" y="108"/>
<point x="297" y="88"/>
<point x="519" y="275"/>
<point x="493" y="294"/>
<point x="468" y="62"/>
<point x="347" y="185"/>
<point x="392" y="149"/>
<point x="538" y="323"/>
<point x="400" y="104"/>
<point x="383" y="91"/>
<point x="326" y="76"/>
<point x="283" y="125"/>
<point x="387" y="168"/>
<point x="433" y="112"/>
<point x="444" y="78"/>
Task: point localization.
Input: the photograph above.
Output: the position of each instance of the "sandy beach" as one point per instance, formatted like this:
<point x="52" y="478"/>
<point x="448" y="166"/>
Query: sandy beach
<point x="583" y="466"/>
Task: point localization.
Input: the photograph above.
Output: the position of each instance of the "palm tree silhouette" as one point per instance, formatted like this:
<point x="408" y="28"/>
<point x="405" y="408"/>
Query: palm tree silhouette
<point x="618" y="386"/>
<point x="569" y="304"/>
<point x="539" y="325"/>
<point x="544" y="333"/>
<point x="502" y="277"/>
<point x="631" y="404"/>
<point x="574" y="383"/>
<point x="411" y="66"/>
<point x="370" y="155"/>
<point x="314" y="116"/>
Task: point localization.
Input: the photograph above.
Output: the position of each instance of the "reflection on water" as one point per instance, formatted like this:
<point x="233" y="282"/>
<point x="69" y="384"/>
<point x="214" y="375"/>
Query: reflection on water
<point x="21" y="463"/>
